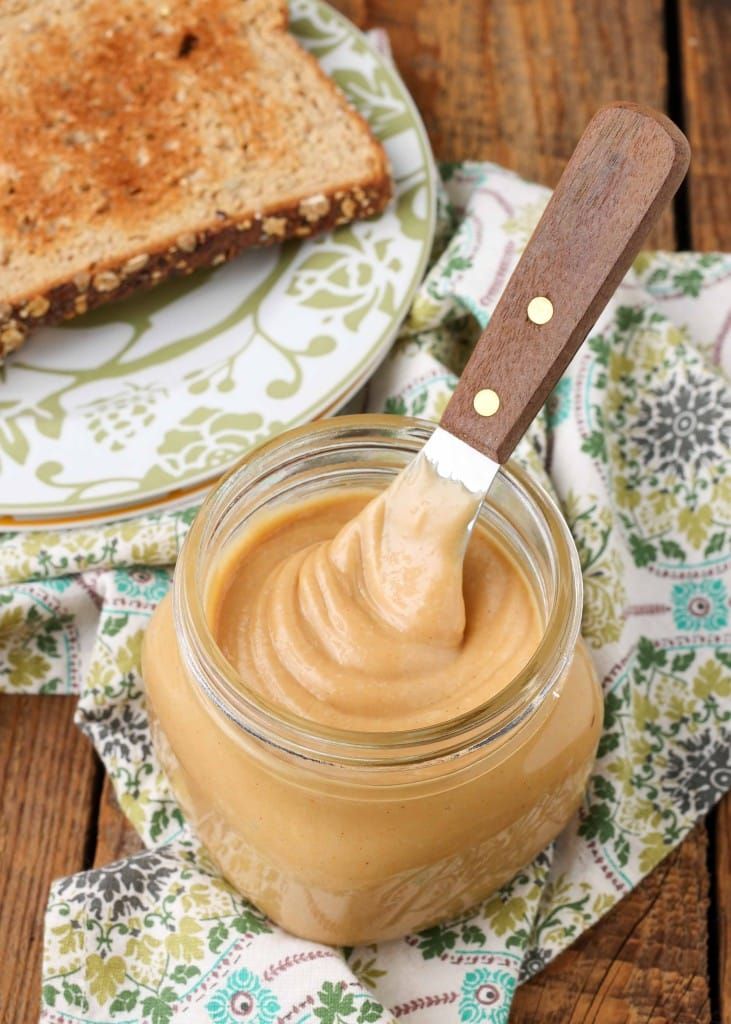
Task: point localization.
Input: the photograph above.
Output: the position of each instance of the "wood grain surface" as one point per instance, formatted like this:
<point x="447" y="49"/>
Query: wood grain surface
<point x="516" y="81"/>
<point x="704" y="79"/>
<point x="720" y="962"/>
<point x="48" y="774"/>
<point x="115" y="837"/>
<point x="513" y="81"/>
<point x="645" y="962"/>
<point x="705" y="56"/>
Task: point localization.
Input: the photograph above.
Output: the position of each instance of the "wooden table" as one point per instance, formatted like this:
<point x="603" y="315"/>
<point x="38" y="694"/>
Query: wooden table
<point x="512" y="81"/>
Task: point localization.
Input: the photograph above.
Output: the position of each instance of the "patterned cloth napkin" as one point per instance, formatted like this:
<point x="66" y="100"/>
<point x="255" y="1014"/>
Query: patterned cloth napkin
<point x="635" y="444"/>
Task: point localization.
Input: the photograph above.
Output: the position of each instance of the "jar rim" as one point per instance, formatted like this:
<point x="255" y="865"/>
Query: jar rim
<point x="295" y="735"/>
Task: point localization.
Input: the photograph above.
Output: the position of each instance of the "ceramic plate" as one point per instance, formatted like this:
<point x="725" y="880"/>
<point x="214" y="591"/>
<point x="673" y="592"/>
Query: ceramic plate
<point x="169" y="388"/>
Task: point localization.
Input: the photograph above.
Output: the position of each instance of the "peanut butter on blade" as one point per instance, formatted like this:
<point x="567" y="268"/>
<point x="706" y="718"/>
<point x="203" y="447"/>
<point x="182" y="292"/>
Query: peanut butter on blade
<point x="362" y="610"/>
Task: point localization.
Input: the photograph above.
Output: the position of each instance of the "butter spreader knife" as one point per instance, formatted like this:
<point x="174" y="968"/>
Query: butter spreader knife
<point x="625" y="169"/>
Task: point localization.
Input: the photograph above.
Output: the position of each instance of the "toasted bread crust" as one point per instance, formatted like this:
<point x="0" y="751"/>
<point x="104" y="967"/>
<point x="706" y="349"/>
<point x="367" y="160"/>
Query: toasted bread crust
<point x="212" y="246"/>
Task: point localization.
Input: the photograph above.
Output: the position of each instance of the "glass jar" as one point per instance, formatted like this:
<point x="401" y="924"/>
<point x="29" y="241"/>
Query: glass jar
<point x="351" y="837"/>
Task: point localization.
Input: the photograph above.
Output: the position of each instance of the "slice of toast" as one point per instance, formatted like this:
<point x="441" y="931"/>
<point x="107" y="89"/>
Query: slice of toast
<point x="145" y="138"/>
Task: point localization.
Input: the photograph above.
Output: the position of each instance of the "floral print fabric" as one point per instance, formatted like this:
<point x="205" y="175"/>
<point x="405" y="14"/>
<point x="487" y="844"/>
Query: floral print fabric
<point x="634" y="443"/>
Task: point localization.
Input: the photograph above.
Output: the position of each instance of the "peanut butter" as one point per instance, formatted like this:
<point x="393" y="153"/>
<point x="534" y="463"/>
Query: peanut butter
<point x="361" y="611"/>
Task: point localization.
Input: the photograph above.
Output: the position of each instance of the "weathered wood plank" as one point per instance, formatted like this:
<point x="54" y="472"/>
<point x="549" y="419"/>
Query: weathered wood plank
<point x="705" y="40"/>
<point x="47" y="778"/>
<point x="115" y="837"/>
<point x="516" y="81"/>
<point x="722" y="872"/>
<point x="645" y="963"/>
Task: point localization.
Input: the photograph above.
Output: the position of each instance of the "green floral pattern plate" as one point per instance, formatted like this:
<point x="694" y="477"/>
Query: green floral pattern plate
<point x="169" y="388"/>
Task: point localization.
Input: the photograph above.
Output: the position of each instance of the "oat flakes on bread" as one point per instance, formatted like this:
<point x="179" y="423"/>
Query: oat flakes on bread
<point x="145" y="138"/>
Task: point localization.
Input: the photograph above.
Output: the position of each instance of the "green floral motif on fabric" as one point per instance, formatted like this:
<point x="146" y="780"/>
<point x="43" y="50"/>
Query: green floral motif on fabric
<point x="602" y="567"/>
<point x="663" y="755"/>
<point x="658" y="420"/>
<point x="336" y="1005"/>
<point x="681" y="274"/>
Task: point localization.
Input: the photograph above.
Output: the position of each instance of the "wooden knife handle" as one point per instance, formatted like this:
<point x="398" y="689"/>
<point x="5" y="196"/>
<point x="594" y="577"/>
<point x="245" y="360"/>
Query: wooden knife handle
<point x="627" y="166"/>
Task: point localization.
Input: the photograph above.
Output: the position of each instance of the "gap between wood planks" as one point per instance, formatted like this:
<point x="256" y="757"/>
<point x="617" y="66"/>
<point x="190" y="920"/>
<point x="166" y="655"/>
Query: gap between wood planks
<point x="98" y="781"/>
<point x="676" y="112"/>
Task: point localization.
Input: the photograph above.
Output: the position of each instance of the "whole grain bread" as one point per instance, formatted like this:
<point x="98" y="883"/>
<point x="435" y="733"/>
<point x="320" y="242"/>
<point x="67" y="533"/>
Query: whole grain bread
<point x="145" y="138"/>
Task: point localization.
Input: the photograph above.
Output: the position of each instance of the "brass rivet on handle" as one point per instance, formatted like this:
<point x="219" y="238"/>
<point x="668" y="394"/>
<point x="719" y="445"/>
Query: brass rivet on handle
<point x="486" y="402"/>
<point x="540" y="310"/>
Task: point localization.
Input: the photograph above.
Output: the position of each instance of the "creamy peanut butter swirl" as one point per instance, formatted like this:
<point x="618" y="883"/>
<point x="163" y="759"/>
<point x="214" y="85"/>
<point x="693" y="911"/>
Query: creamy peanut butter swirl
<point x="363" y="610"/>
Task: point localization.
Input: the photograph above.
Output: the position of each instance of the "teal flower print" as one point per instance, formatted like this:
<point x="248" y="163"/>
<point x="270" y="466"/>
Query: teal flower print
<point x="243" y="1000"/>
<point x="146" y="583"/>
<point x="486" y="996"/>
<point x="558" y="405"/>
<point x="59" y="584"/>
<point x="700" y="605"/>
